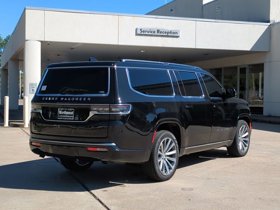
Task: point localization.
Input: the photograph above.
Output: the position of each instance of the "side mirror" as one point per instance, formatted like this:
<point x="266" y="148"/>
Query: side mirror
<point x="230" y="93"/>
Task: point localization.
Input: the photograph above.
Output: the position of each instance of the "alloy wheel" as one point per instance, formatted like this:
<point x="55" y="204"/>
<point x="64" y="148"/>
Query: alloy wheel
<point x="167" y="156"/>
<point x="243" y="138"/>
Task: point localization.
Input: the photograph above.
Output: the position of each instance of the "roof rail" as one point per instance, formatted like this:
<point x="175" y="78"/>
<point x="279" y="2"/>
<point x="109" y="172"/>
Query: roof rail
<point x="178" y="64"/>
<point x="159" y="62"/>
<point x="143" y="61"/>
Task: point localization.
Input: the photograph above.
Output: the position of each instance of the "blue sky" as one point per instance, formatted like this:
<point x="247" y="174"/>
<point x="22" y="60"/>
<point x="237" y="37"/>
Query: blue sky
<point x="11" y="10"/>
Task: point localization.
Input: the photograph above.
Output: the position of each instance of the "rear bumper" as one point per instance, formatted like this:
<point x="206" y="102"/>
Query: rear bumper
<point x="112" y="153"/>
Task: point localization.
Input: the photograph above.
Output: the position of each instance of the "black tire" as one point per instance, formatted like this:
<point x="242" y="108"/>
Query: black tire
<point x="76" y="164"/>
<point x="241" y="143"/>
<point x="162" y="167"/>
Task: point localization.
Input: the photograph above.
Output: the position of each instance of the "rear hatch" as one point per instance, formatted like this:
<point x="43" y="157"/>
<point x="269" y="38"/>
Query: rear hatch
<point x="74" y="102"/>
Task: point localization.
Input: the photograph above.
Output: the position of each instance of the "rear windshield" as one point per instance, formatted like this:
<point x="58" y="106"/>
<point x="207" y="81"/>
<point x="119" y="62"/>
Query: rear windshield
<point x="76" y="81"/>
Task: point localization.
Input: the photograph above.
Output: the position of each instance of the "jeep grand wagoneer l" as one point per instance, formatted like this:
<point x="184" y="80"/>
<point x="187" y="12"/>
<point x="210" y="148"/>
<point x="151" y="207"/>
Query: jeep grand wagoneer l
<point x="135" y="112"/>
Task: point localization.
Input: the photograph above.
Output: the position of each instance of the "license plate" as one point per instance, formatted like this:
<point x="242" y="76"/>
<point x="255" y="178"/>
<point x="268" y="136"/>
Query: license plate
<point x="65" y="114"/>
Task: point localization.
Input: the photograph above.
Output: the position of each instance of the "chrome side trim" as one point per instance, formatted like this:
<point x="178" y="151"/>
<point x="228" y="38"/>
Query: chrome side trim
<point x="204" y="147"/>
<point x="91" y="113"/>
<point x="67" y="143"/>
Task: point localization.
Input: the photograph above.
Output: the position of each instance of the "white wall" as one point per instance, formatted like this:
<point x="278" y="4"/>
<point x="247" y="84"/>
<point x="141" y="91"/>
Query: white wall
<point x="232" y="36"/>
<point x="272" y="75"/>
<point x="127" y="26"/>
<point x="275" y="10"/>
<point x="240" y="10"/>
<point x="180" y="8"/>
<point x="81" y="27"/>
<point x="91" y="28"/>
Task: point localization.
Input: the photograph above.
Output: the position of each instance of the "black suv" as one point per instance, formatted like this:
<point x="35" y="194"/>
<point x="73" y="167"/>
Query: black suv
<point x="134" y="111"/>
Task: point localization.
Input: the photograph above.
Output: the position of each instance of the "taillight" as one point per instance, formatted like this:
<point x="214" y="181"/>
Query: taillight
<point x="111" y="108"/>
<point x="120" y="108"/>
<point x="100" y="108"/>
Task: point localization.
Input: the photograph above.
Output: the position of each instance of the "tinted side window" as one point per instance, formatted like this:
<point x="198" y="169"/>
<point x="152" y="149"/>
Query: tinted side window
<point x="151" y="81"/>
<point x="213" y="87"/>
<point x="188" y="83"/>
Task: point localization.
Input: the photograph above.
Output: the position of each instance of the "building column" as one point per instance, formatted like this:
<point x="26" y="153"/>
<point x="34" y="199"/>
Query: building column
<point x="272" y="74"/>
<point x="13" y="84"/>
<point x="271" y="89"/>
<point x="31" y="68"/>
<point x="4" y="84"/>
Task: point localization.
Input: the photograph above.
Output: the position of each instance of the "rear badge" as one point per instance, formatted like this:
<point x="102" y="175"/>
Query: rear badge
<point x="44" y="87"/>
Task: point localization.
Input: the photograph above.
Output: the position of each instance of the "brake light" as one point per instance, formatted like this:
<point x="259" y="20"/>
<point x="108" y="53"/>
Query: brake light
<point x="111" y="108"/>
<point x="36" y="144"/>
<point x="97" y="149"/>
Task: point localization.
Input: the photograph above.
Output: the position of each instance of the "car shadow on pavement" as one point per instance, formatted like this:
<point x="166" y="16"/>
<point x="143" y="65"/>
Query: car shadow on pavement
<point x="41" y="174"/>
<point x="109" y="175"/>
<point x="196" y="158"/>
<point x="48" y="175"/>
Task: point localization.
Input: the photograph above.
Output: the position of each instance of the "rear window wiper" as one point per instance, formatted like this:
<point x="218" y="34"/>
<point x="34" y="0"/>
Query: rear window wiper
<point x="67" y="90"/>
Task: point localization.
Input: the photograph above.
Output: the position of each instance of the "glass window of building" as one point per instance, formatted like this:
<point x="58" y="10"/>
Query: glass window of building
<point x="242" y="92"/>
<point x="217" y="73"/>
<point x="230" y="77"/>
<point x="255" y="85"/>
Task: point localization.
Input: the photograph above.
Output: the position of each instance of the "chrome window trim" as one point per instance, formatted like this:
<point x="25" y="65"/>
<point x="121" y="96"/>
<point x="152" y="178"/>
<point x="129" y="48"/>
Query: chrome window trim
<point x="91" y="113"/>
<point x="197" y="77"/>
<point x="147" y="95"/>
<point x="75" y="95"/>
<point x="205" y="84"/>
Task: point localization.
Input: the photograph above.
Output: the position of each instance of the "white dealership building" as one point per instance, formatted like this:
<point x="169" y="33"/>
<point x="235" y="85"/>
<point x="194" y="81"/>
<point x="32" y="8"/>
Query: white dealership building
<point x="238" y="41"/>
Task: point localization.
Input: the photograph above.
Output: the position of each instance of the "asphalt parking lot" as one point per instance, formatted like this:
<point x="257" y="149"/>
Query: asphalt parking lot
<point x="208" y="180"/>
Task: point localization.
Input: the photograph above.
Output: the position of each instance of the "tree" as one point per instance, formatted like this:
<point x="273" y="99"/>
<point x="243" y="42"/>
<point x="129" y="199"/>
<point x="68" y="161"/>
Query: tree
<point x="3" y="42"/>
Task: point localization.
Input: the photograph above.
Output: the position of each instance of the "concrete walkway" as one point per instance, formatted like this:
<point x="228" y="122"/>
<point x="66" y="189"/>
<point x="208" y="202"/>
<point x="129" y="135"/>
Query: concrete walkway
<point x="208" y="180"/>
<point x="28" y="182"/>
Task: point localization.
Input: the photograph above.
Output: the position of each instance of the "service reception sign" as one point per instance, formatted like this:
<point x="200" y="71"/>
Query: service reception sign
<point x="157" y="32"/>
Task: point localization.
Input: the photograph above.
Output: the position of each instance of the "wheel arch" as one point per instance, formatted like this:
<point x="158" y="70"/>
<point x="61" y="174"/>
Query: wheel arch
<point x="172" y="126"/>
<point x="246" y="118"/>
